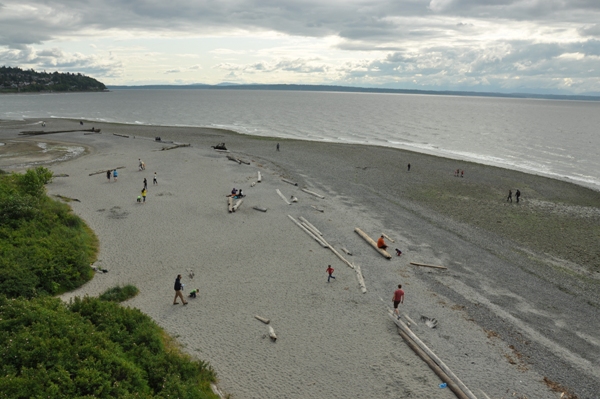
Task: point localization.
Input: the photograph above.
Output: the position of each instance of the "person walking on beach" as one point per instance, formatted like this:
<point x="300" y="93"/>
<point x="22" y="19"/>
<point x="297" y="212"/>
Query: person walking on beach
<point x="409" y="167"/>
<point x="509" y="199"/>
<point x="381" y="243"/>
<point x="145" y="184"/>
<point x="115" y="174"/>
<point x="398" y="298"/>
<point x="518" y="194"/>
<point x="154" y="181"/>
<point x="108" y="175"/>
<point x="277" y="146"/>
<point x="144" y="192"/>
<point x="330" y="272"/>
<point x="178" y="287"/>
<point x="462" y="173"/>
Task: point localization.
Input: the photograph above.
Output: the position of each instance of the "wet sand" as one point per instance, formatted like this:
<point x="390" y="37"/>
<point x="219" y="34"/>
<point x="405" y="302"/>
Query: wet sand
<point x="518" y="303"/>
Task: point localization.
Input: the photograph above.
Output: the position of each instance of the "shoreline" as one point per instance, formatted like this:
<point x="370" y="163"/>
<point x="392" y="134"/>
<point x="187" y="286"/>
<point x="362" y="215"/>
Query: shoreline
<point x="504" y="308"/>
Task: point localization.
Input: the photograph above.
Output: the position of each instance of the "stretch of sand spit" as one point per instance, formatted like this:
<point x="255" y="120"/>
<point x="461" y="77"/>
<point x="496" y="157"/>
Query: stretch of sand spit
<point x="333" y="341"/>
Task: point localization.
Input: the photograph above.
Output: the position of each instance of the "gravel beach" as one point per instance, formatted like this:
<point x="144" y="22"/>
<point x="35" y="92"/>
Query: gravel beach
<point x="517" y="308"/>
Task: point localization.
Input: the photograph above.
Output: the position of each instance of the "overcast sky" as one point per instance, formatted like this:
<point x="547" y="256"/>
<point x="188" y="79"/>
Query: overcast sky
<point x="543" y="46"/>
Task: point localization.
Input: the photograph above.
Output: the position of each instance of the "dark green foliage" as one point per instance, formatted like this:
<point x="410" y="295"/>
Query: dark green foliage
<point x="17" y="80"/>
<point x="119" y="294"/>
<point x="44" y="247"/>
<point x="91" y="348"/>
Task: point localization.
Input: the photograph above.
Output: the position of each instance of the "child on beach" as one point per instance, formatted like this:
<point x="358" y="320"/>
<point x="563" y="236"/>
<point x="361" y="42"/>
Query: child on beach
<point x="108" y="175"/>
<point x="139" y="198"/>
<point x="115" y="174"/>
<point x="398" y="252"/>
<point x="193" y="293"/>
<point x="330" y="272"/>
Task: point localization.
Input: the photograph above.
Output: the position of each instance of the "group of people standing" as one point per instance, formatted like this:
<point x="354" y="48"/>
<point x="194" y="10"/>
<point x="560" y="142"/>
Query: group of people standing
<point x="517" y="195"/>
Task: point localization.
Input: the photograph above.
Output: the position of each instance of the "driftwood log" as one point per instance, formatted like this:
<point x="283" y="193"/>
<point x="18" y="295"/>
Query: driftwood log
<point x="360" y="278"/>
<point x="290" y="182"/>
<point x="266" y="321"/>
<point x="231" y="158"/>
<point x="283" y="197"/>
<point x="318" y="209"/>
<point x="313" y="193"/>
<point x="452" y="380"/>
<point x="258" y="208"/>
<point x="388" y="238"/>
<point x="39" y="132"/>
<point x="230" y="204"/>
<point x="66" y="199"/>
<point x="104" y="171"/>
<point x="272" y="334"/>
<point x="307" y="231"/>
<point x="346" y="251"/>
<point x="259" y="178"/>
<point x="426" y="265"/>
<point x="121" y="135"/>
<point x="175" y="146"/>
<point x="237" y="204"/>
<point x="369" y="240"/>
<point x="311" y="226"/>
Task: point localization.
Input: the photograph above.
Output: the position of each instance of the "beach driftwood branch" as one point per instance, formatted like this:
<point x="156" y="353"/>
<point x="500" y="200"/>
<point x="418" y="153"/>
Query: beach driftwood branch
<point x="237" y="204"/>
<point x="369" y="240"/>
<point x="221" y="150"/>
<point x="290" y="182"/>
<point x="283" y="197"/>
<point x="66" y="199"/>
<point x="104" y="171"/>
<point x="311" y="226"/>
<point x="313" y="193"/>
<point x="318" y="209"/>
<point x="258" y="208"/>
<point x="266" y="321"/>
<point x="259" y="178"/>
<point x="307" y="231"/>
<point x="39" y="132"/>
<point x="426" y="265"/>
<point x="450" y="378"/>
<point x="388" y="238"/>
<point x="175" y="146"/>
<point x="346" y="251"/>
<point x="243" y="161"/>
<point x="230" y="204"/>
<point x="231" y="158"/>
<point x="272" y="334"/>
<point x="360" y="278"/>
<point x="121" y="135"/>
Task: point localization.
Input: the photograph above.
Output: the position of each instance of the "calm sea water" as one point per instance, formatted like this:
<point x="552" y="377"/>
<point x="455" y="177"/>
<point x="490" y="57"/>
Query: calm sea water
<point x="553" y="138"/>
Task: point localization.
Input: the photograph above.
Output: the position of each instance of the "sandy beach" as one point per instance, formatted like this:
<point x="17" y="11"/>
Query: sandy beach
<point x="518" y="303"/>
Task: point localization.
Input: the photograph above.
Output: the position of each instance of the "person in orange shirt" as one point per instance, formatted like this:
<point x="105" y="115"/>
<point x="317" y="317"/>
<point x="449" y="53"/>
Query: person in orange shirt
<point x="381" y="243"/>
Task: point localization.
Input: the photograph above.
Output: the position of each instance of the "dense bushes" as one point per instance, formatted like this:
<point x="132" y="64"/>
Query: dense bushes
<point x="119" y="294"/>
<point x="44" y="247"/>
<point x="91" y="348"/>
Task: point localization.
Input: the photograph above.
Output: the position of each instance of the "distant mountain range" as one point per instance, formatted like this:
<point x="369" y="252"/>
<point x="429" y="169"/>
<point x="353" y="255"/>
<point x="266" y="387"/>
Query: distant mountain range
<point x="349" y="89"/>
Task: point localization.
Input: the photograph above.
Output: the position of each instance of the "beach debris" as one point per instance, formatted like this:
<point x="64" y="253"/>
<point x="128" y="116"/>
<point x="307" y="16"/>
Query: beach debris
<point x="230" y="204"/>
<point x="388" y="238"/>
<point x="360" y="278"/>
<point x="293" y="199"/>
<point x="429" y="322"/>
<point x="409" y="319"/>
<point x="220" y="146"/>
<point x="258" y="208"/>
<point x="311" y="226"/>
<point x="66" y="199"/>
<point x="370" y="241"/>
<point x="231" y="158"/>
<point x="310" y="233"/>
<point x="426" y="265"/>
<point x="39" y="132"/>
<point x="318" y="209"/>
<point x="104" y="170"/>
<point x="259" y="178"/>
<point x="61" y="175"/>
<point x="443" y="385"/>
<point x="191" y="273"/>
<point x="346" y="251"/>
<point x="290" y="182"/>
<point x="253" y="184"/>
<point x="121" y="135"/>
<point x="282" y="197"/>
<point x="217" y="391"/>
<point x="99" y="269"/>
<point x="313" y="193"/>
<point x="175" y="146"/>
<point x="272" y="334"/>
<point x="264" y="320"/>
<point x="432" y="360"/>
<point x="237" y="204"/>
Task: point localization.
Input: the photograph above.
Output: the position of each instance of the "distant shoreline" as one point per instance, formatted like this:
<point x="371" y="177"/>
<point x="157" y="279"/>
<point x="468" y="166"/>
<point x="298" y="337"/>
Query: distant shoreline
<point x="348" y="89"/>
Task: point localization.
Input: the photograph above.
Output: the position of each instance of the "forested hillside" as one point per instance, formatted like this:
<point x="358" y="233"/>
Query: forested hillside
<point x="17" y="80"/>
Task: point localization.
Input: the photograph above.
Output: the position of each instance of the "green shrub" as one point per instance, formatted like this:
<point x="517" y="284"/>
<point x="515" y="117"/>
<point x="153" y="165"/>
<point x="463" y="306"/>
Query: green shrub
<point x="119" y="294"/>
<point x="91" y="348"/>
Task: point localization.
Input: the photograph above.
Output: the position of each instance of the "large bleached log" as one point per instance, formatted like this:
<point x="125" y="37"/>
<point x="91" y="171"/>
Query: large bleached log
<point x="237" y="204"/>
<point x="388" y="238"/>
<point x="290" y="182"/>
<point x="104" y="171"/>
<point x="311" y="230"/>
<point x="283" y="197"/>
<point x="313" y="193"/>
<point x="369" y="240"/>
<point x="266" y="321"/>
<point x="451" y="376"/>
<point x="230" y="204"/>
<point x="361" y="280"/>
<point x="259" y="178"/>
<point x="426" y="265"/>
<point x="316" y="238"/>
<point x="311" y="226"/>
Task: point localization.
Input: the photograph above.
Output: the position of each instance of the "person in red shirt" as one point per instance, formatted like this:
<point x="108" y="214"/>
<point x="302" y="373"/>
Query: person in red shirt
<point x="381" y="243"/>
<point x="398" y="298"/>
<point x="330" y="272"/>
